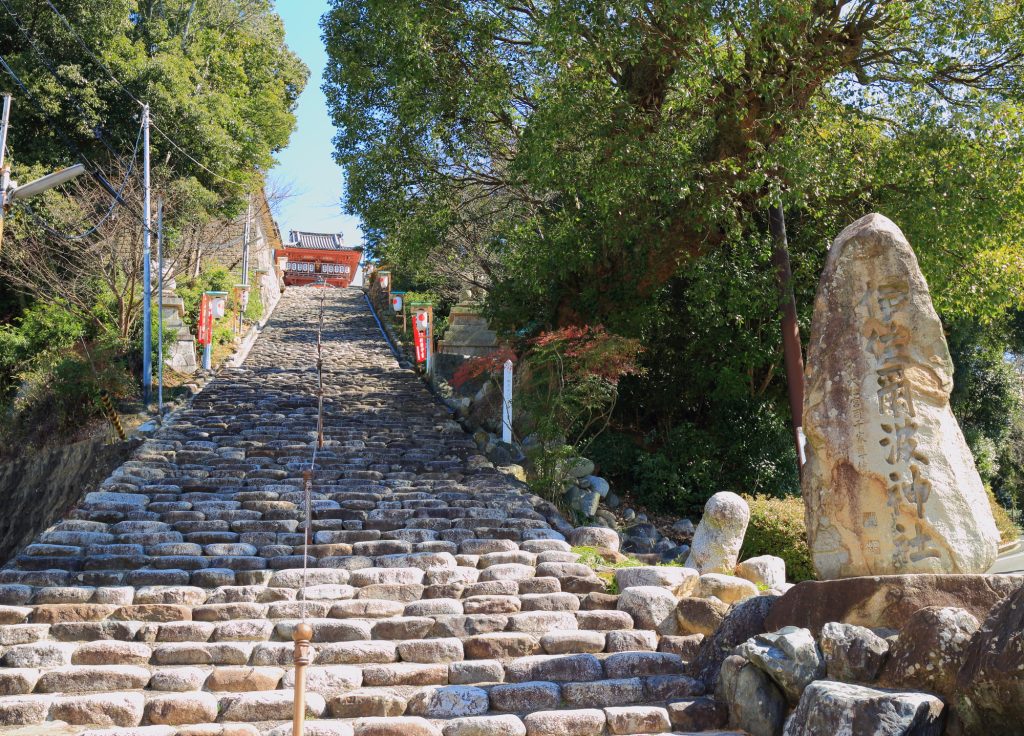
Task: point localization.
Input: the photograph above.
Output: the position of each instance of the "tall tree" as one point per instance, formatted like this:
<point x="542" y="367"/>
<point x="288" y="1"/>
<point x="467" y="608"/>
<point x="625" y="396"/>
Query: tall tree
<point x="628" y="137"/>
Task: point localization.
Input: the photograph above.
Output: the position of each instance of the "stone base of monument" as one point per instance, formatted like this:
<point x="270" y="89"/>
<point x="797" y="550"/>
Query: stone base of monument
<point x="468" y="333"/>
<point x="886" y="601"/>
<point x="181" y="351"/>
<point x="896" y="655"/>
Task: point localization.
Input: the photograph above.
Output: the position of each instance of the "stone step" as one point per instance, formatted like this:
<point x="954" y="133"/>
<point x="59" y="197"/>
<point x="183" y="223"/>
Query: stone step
<point x="326" y="698"/>
<point x="443" y="596"/>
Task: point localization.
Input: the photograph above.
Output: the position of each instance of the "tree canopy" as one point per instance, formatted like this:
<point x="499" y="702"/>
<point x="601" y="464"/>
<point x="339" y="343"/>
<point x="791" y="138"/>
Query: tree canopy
<point x="613" y="161"/>
<point x="586" y="152"/>
<point x="217" y="75"/>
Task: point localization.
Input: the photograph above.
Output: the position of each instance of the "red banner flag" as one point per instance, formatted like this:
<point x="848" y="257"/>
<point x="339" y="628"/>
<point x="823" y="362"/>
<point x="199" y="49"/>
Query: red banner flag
<point x="205" y="326"/>
<point x="420" y="341"/>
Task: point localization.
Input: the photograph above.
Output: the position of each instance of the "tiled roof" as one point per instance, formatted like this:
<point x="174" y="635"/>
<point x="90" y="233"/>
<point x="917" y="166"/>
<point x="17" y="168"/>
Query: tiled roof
<point x="318" y="241"/>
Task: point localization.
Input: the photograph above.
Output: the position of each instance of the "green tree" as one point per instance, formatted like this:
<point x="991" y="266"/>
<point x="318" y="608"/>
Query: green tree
<point x="612" y="163"/>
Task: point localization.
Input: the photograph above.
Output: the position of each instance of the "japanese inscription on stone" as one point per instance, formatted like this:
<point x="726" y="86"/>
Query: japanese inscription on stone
<point x="889" y="483"/>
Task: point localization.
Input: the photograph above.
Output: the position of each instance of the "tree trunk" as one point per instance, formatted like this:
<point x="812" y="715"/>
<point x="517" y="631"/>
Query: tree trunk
<point x="791" y="348"/>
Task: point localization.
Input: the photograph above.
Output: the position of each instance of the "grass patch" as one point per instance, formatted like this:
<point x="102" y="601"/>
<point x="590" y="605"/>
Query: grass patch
<point x="605" y="568"/>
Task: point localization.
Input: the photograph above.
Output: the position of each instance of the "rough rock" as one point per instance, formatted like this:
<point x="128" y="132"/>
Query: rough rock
<point x="929" y="651"/>
<point x="454" y="701"/>
<point x="766" y="570"/>
<point x="698" y="714"/>
<point x="409" y="726"/>
<point x="744" y="620"/>
<point x="726" y="588"/>
<point x="584" y="722"/>
<point x="651" y="607"/>
<point x="680" y="580"/>
<point x="828" y="707"/>
<point x="887" y="602"/>
<point x="989" y="685"/>
<point x="789" y="656"/>
<point x="637" y="719"/>
<point x="506" y="725"/>
<point x="755" y="703"/>
<point x="889" y="483"/>
<point x="595" y="536"/>
<point x="700" y="615"/>
<point x="719" y="536"/>
<point x="852" y="653"/>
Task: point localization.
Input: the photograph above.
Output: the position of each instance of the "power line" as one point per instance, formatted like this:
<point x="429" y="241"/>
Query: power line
<point x="71" y="146"/>
<point x="102" y="65"/>
<point x="186" y="154"/>
<point x="94" y="57"/>
<point x="110" y="210"/>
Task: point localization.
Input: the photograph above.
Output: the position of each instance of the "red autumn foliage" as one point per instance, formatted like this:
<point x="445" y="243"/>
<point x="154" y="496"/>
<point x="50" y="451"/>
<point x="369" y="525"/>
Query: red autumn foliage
<point x="589" y="349"/>
<point x="492" y="363"/>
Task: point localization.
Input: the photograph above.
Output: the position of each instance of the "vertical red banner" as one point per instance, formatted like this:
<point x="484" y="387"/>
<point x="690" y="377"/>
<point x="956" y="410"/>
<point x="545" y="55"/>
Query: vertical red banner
<point x="420" y="341"/>
<point x="205" y="326"/>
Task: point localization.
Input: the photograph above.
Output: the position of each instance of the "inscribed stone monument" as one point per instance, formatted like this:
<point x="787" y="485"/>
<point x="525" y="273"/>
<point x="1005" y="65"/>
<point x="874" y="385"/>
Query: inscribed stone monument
<point x="890" y="485"/>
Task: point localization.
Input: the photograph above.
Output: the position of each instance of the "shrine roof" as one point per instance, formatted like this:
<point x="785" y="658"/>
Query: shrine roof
<point x="318" y="241"/>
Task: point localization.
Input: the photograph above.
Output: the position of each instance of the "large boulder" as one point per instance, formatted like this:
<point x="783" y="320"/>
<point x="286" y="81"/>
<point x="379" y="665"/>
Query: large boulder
<point x="765" y="570"/>
<point x="651" y="607"/>
<point x="889" y="483"/>
<point x="886" y="602"/>
<point x="719" y="536"/>
<point x="990" y="683"/>
<point x="852" y="653"/>
<point x="929" y="651"/>
<point x="828" y="707"/>
<point x="789" y="656"/>
<point x="700" y="615"/>
<point x="755" y="703"/>
<point x="744" y="620"/>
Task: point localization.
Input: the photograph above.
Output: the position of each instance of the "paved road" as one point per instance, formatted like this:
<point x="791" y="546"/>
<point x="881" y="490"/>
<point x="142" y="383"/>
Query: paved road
<point x="1012" y="561"/>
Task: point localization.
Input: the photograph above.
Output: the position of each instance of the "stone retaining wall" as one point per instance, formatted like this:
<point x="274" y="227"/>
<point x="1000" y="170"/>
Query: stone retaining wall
<point x="36" y="490"/>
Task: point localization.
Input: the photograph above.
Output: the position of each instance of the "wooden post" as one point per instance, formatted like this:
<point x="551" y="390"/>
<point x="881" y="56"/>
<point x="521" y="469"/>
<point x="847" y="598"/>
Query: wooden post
<point x="301" y="636"/>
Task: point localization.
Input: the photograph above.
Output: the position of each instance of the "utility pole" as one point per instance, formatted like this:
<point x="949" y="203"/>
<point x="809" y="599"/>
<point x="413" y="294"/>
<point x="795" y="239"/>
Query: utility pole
<point x="147" y="292"/>
<point x="160" y="307"/>
<point x="5" y="172"/>
<point x="791" y="347"/>
<point x="245" y="243"/>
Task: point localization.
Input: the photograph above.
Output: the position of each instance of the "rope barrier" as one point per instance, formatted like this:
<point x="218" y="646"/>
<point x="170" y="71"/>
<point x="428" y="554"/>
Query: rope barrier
<point x="303" y="631"/>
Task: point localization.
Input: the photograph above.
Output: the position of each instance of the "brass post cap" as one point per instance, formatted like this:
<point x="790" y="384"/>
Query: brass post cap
<point x="303" y="632"/>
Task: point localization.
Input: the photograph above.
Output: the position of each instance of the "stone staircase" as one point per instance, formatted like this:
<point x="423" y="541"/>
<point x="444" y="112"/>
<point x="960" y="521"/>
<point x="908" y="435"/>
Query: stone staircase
<point x="441" y="598"/>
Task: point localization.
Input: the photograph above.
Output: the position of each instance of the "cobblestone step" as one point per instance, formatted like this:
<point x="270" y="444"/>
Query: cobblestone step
<point x="443" y="597"/>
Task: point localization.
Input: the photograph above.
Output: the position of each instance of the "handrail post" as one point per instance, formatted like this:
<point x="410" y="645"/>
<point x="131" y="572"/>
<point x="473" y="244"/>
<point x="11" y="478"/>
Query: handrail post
<point x="301" y="636"/>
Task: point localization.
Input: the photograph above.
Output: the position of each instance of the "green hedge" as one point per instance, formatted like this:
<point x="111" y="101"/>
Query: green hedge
<point x="777" y="528"/>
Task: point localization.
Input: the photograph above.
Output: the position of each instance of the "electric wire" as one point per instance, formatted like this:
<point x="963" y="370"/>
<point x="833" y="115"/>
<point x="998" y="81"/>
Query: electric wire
<point x="81" y="42"/>
<point x="71" y="146"/>
<point x="85" y="47"/>
<point x="187" y="155"/>
<point x="110" y="210"/>
<point x="95" y="171"/>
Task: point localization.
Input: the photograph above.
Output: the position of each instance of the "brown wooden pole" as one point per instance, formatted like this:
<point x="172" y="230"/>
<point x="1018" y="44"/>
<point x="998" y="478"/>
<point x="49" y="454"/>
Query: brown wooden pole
<point x="301" y="636"/>
<point x="791" y="347"/>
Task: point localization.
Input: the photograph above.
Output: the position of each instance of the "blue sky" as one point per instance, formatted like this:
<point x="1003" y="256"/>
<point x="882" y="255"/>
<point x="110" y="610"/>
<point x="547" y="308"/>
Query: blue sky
<point x="306" y="163"/>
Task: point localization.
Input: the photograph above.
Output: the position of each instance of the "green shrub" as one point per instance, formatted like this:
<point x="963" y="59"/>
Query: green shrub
<point x="777" y="528"/>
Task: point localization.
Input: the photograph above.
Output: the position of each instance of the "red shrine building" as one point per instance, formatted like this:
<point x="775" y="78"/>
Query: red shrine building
<point x="318" y="258"/>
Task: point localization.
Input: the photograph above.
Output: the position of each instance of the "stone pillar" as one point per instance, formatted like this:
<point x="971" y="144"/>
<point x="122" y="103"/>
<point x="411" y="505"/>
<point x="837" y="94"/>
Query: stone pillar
<point x="890" y="484"/>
